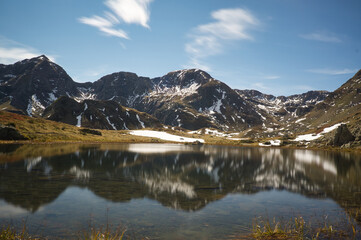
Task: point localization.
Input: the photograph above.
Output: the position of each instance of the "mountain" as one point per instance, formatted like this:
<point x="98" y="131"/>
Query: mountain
<point x="98" y="114"/>
<point x="342" y="105"/>
<point x="190" y="99"/>
<point x="124" y="87"/>
<point x="283" y="107"/>
<point x="33" y="84"/>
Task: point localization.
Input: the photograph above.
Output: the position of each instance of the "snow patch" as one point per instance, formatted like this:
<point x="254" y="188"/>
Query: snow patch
<point x="79" y="120"/>
<point x="313" y="136"/>
<point x="111" y="124"/>
<point x="300" y="120"/>
<point x="141" y="123"/>
<point x="213" y="132"/>
<point x="85" y="93"/>
<point x="34" y="105"/>
<point x="52" y="97"/>
<point x="175" y="91"/>
<point x="9" y="76"/>
<point x="272" y="143"/>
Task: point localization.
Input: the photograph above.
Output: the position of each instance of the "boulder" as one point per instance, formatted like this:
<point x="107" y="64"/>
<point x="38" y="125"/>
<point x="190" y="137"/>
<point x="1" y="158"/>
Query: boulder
<point x="342" y="136"/>
<point x="90" y="131"/>
<point x="10" y="133"/>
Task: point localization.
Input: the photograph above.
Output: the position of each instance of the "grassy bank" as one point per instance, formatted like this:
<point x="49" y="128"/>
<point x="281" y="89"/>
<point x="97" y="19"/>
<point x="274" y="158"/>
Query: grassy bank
<point x="38" y="130"/>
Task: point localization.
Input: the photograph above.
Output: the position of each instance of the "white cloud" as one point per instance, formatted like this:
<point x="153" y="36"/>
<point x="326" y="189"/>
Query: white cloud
<point x="127" y="11"/>
<point x="203" y="46"/>
<point x="210" y="39"/>
<point x="104" y="25"/>
<point x="11" y="55"/>
<point x="12" y="51"/>
<point x="131" y="11"/>
<point x="322" y="36"/>
<point x="231" y="24"/>
<point x="332" y="71"/>
<point x="271" y="77"/>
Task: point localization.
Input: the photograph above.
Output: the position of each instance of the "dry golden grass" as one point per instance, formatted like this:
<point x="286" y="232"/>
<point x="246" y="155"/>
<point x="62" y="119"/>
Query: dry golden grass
<point x="39" y="130"/>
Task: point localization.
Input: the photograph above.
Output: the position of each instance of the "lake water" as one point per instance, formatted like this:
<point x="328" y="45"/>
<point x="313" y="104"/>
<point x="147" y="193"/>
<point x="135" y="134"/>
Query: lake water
<point x="168" y="191"/>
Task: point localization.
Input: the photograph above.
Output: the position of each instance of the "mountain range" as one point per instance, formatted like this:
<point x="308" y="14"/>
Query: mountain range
<point x="189" y="99"/>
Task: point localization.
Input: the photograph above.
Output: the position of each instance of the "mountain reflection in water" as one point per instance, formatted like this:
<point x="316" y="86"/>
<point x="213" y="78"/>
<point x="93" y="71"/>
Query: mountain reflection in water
<point x="180" y="177"/>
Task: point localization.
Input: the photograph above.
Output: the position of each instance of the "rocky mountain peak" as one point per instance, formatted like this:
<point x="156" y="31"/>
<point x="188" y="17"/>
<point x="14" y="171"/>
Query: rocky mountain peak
<point x="43" y="57"/>
<point x="34" y="60"/>
<point x="255" y="94"/>
<point x="183" y="78"/>
<point x="119" y="76"/>
<point x="32" y="84"/>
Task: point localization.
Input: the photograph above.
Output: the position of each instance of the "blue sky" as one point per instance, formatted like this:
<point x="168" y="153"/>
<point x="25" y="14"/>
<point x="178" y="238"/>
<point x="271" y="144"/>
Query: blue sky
<point x="279" y="47"/>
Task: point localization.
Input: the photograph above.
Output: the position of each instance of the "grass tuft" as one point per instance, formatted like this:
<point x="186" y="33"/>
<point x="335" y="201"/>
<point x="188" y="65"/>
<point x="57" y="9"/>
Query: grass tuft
<point x="9" y="233"/>
<point x="100" y="234"/>
<point x="264" y="229"/>
<point x="298" y="229"/>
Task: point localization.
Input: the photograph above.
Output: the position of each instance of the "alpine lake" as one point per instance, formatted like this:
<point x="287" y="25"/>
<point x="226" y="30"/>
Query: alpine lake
<point x="171" y="191"/>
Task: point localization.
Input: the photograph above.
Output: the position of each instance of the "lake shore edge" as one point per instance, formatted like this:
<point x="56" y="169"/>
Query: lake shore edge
<point x="158" y="141"/>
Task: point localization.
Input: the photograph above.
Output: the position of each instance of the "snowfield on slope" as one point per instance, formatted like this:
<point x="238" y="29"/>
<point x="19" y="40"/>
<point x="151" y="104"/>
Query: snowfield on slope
<point x="312" y="136"/>
<point x="272" y="143"/>
<point x="164" y="136"/>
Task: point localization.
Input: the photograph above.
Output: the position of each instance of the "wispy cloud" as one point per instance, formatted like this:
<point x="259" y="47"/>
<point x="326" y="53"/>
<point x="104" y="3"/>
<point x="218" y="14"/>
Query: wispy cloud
<point x="271" y="77"/>
<point x="210" y="39"/>
<point x="131" y="11"/>
<point x="105" y="25"/>
<point x="329" y="71"/>
<point x="12" y="51"/>
<point x="260" y="86"/>
<point x="121" y="11"/>
<point x="322" y="36"/>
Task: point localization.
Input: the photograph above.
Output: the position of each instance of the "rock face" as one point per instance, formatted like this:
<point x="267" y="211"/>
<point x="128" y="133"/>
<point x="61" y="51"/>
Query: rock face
<point x="126" y="88"/>
<point x="10" y="133"/>
<point x="33" y="84"/>
<point x="342" y="136"/>
<point x="98" y="114"/>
